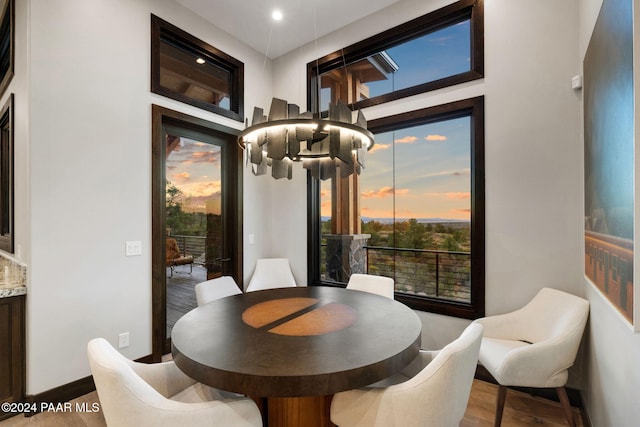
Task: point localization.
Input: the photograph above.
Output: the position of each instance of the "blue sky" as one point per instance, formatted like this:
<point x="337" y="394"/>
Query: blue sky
<point x="432" y="172"/>
<point x="431" y="57"/>
<point x="432" y="162"/>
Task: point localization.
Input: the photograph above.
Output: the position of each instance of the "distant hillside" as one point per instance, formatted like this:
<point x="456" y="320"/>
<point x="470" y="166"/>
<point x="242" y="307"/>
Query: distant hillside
<point x="420" y="220"/>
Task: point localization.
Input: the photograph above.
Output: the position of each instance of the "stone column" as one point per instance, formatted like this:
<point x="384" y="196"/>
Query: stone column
<point x="346" y="255"/>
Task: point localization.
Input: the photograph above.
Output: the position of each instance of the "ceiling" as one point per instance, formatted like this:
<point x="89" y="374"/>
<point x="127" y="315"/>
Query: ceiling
<point x="250" y="20"/>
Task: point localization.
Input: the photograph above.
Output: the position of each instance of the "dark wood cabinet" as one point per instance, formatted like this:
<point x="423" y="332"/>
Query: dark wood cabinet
<point x="12" y="350"/>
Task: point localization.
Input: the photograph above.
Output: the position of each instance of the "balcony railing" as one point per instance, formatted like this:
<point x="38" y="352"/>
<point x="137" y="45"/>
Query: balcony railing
<point x="421" y="272"/>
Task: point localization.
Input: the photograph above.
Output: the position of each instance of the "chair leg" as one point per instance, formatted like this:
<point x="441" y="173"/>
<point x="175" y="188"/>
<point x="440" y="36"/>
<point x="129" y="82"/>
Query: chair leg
<point x="502" y="395"/>
<point x="564" y="400"/>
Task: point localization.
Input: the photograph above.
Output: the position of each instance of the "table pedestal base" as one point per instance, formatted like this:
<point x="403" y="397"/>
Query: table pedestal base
<point x="312" y="411"/>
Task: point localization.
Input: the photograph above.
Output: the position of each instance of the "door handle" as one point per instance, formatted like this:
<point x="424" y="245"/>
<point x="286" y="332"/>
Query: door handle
<point x="223" y="259"/>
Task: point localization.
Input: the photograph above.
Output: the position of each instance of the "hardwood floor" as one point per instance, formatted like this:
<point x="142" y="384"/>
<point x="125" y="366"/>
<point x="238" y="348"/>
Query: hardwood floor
<point x="520" y="410"/>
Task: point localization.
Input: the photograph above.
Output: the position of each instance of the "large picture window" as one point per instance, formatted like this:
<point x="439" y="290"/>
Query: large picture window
<point x="440" y="49"/>
<point x="422" y="204"/>
<point x="189" y="70"/>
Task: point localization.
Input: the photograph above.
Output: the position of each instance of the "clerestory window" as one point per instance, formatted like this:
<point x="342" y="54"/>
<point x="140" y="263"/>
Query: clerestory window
<point x="440" y="49"/>
<point x="189" y="70"/>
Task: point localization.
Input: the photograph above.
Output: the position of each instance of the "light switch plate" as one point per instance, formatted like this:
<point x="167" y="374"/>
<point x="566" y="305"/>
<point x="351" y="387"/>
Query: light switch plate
<point x="133" y="248"/>
<point x="123" y="340"/>
<point x="576" y="82"/>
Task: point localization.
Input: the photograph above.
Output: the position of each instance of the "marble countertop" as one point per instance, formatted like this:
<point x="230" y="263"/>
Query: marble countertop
<point x="7" y="291"/>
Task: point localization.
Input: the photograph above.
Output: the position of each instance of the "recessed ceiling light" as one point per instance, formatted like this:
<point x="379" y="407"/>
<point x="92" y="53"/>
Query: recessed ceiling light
<point x="200" y="61"/>
<point x="276" y="15"/>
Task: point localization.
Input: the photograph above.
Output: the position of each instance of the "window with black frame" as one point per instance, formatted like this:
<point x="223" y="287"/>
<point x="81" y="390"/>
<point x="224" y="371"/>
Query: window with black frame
<point x="421" y="196"/>
<point x="189" y="70"/>
<point x="422" y="205"/>
<point x="440" y="49"/>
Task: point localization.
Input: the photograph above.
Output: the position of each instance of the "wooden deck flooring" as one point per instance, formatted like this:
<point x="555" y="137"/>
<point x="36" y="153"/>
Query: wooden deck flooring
<point x="520" y="410"/>
<point x="181" y="296"/>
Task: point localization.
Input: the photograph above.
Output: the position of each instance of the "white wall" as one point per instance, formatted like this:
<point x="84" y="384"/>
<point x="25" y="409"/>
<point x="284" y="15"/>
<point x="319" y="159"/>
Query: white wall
<point x="611" y="347"/>
<point x="533" y="161"/>
<point x="90" y="174"/>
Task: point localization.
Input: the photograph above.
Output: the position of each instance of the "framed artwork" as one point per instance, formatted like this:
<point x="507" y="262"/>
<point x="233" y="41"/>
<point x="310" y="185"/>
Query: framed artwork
<point x="609" y="156"/>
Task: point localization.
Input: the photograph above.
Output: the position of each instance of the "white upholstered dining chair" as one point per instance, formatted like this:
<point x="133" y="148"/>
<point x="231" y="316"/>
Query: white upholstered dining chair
<point x="535" y="345"/>
<point x="271" y="273"/>
<point x="136" y="394"/>
<point x="214" y="289"/>
<point x="374" y="284"/>
<point x="433" y="390"/>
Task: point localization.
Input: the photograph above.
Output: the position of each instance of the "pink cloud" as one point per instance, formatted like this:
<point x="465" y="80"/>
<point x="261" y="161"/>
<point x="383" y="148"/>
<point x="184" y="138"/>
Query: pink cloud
<point x="458" y="195"/>
<point x="205" y="156"/>
<point x="383" y="192"/>
<point x="435" y="138"/>
<point x="451" y="195"/>
<point x="406" y="140"/>
<point x="182" y="177"/>
<point x="379" y="147"/>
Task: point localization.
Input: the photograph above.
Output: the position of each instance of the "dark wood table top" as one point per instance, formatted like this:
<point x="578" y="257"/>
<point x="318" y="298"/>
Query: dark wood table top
<point x="292" y="342"/>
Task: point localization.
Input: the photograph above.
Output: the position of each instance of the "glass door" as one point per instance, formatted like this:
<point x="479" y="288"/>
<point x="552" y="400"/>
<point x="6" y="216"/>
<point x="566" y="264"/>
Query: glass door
<point x="195" y="242"/>
<point x="196" y="206"/>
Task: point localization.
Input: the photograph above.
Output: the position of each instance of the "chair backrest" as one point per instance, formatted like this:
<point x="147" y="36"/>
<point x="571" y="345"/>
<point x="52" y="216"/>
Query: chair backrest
<point x="271" y="273"/>
<point x="446" y="381"/>
<point x="120" y="389"/>
<point x="369" y="283"/>
<point x="173" y="251"/>
<point x="215" y="289"/>
<point x="554" y="314"/>
<point x="134" y="394"/>
<point x="436" y="396"/>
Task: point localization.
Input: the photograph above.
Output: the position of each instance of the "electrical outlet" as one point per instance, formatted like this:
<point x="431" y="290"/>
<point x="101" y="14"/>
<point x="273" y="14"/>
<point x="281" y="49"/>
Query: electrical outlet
<point x="123" y="340"/>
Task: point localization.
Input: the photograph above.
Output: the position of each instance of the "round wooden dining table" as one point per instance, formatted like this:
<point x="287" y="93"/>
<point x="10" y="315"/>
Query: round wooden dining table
<point x="296" y="346"/>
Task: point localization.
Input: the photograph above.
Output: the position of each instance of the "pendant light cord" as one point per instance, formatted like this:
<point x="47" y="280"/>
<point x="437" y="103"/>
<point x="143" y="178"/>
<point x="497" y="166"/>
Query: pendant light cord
<point x="317" y="105"/>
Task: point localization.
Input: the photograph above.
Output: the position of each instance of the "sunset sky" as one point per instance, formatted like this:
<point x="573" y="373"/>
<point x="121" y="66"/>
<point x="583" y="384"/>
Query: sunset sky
<point x="432" y="173"/>
<point x="432" y="162"/>
<point x="194" y="167"/>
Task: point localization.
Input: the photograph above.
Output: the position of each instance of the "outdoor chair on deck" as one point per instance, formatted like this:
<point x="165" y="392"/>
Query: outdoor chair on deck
<point x="175" y="258"/>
